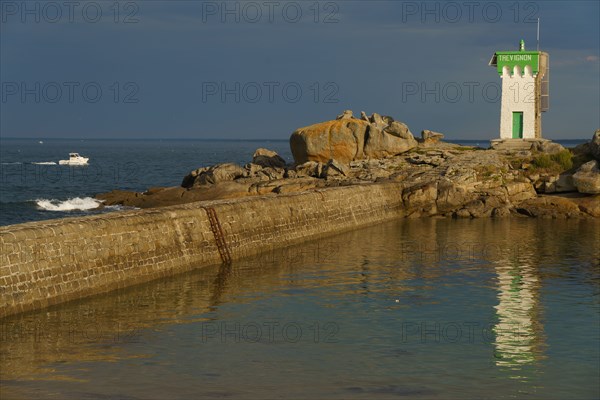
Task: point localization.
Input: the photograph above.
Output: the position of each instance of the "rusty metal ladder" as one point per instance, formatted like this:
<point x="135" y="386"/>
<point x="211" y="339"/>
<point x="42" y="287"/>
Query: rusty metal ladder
<point x="215" y="226"/>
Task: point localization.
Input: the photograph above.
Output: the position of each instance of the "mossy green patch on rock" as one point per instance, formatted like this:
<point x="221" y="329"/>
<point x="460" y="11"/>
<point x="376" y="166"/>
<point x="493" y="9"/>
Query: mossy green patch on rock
<point x="557" y="162"/>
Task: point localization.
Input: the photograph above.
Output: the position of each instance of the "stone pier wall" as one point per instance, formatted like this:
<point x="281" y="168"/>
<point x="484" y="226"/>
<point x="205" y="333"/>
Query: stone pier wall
<point x="49" y="262"/>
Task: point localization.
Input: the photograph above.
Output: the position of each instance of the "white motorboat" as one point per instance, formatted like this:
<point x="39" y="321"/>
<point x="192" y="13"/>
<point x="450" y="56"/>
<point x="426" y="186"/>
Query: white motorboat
<point x="74" y="159"/>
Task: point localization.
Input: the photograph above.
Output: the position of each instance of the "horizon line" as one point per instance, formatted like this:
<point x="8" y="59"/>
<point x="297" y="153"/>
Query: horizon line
<point x="219" y="139"/>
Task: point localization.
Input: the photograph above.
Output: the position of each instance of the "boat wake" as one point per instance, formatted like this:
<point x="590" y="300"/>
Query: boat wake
<point x="32" y="163"/>
<point x="74" y="204"/>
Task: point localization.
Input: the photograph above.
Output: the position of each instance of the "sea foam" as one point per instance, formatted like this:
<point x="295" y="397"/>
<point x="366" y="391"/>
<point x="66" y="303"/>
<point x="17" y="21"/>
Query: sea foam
<point x="76" y="203"/>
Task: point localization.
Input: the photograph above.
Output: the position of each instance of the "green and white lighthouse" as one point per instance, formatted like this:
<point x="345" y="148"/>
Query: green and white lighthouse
<point x="525" y="96"/>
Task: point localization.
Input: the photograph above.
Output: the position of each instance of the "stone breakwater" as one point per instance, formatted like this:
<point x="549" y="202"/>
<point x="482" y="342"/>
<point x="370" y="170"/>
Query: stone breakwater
<point x="50" y="262"/>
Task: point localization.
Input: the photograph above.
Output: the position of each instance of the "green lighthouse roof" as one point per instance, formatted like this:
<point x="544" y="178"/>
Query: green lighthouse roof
<point x="510" y="59"/>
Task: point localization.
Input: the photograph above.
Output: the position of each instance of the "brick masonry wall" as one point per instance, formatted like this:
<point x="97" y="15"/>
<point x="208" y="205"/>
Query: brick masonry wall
<point x="49" y="262"/>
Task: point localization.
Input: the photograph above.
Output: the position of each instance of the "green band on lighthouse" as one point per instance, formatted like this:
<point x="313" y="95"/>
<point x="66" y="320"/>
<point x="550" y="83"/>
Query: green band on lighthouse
<point x="511" y="59"/>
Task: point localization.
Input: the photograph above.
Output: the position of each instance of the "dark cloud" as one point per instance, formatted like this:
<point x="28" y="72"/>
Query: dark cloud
<point x="182" y="64"/>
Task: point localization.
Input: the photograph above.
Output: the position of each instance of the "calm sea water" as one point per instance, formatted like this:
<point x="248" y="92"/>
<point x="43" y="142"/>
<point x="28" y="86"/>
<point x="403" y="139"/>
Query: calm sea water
<point x="419" y="309"/>
<point x="34" y="188"/>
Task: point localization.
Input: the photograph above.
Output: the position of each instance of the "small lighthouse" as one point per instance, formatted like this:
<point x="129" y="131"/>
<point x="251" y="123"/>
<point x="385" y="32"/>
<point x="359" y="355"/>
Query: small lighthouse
<point x="525" y="94"/>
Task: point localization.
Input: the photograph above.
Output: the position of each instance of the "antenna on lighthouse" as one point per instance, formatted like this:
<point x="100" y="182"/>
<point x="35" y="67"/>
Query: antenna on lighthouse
<point x="538" y="34"/>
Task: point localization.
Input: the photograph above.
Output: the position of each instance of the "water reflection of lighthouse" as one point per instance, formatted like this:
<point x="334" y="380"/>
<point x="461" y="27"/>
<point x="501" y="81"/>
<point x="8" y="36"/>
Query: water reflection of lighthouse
<point x="518" y="331"/>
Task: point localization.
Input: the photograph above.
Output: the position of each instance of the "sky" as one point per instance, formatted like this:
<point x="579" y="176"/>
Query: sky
<point x="261" y="69"/>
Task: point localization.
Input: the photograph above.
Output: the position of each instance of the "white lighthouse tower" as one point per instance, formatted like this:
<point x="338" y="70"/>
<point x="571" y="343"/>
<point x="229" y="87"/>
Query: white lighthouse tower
<point x="525" y="94"/>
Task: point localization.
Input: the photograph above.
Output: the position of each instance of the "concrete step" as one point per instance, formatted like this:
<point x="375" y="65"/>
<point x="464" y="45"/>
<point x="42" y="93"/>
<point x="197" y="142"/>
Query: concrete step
<point x="514" y="144"/>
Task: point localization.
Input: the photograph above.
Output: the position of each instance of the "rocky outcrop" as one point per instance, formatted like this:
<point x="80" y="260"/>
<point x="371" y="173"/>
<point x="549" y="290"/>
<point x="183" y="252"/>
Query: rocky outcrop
<point x="382" y="144"/>
<point x="268" y="158"/>
<point x="590" y="205"/>
<point x="437" y="179"/>
<point x="341" y="139"/>
<point x="213" y="174"/>
<point x="308" y="169"/>
<point x="590" y="149"/>
<point x="163" y="197"/>
<point x="555" y="183"/>
<point x="547" y="146"/>
<point x="550" y="207"/>
<point x="346" y="114"/>
<point x="334" y="170"/>
<point x="595" y="145"/>
<point x="347" y="139"/>
<point x="587" y="178"/>
<point x="463" y="185"/>
<point x="430" y="138"/>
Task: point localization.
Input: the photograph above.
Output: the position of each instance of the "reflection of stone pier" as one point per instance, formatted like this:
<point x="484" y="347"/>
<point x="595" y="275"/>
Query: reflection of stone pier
<point x="93" y="329"/>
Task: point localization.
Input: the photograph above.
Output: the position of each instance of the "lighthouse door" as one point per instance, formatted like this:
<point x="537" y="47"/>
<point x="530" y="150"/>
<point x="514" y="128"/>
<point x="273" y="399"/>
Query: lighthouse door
<point x="517" y="132"/>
